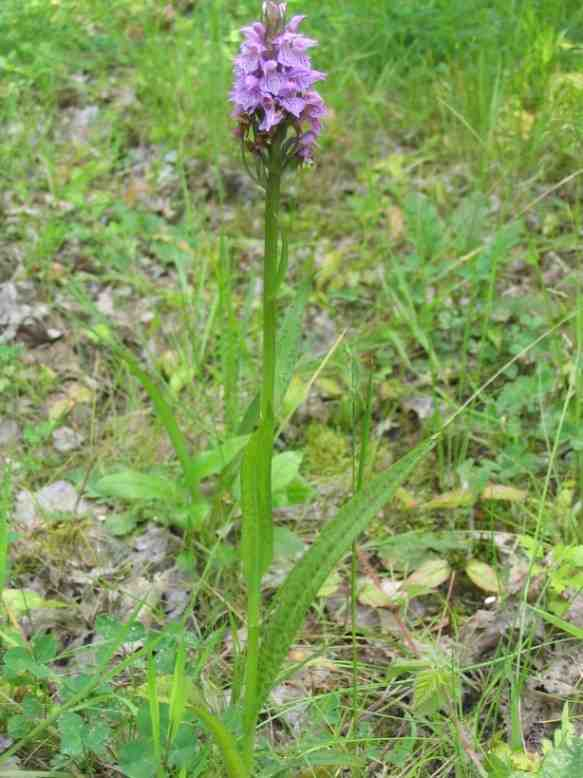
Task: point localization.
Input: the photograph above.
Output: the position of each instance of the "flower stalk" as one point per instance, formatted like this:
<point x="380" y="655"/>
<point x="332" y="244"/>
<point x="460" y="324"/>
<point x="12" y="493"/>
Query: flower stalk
<point x="270" y="276"/>
<point x="273" y="173"/>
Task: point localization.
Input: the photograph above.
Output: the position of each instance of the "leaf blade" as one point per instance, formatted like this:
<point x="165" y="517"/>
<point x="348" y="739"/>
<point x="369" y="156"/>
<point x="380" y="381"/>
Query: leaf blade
<point x="309" y="574"/>
<point x="257" y="527"/>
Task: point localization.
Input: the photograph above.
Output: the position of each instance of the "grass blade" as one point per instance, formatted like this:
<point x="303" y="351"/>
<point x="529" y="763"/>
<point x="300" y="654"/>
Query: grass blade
<point x="288" y="342"/>
<point x="165" y="414"/>
<point x="229" y="338"/>
<point x="283" y="260"/>
<point x="5" y="499"/>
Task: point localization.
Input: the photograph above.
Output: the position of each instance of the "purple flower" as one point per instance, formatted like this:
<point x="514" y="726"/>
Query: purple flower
<point x="273" y="80"/>
<point x="304" y="78"/>
<point x="272" y="114"/>
<point x="272" y="91"/>
<point x="294" y="23"/>
<point x="253" y="47"/>
<point x="292" y="50"/>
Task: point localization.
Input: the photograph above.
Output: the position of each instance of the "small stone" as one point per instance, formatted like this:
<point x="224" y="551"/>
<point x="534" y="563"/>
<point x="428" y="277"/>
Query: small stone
<point x="60" y="497"/>
<point x="66" y="439"/>
<point x="9" y="432"/>
<point x="24" y="512"/>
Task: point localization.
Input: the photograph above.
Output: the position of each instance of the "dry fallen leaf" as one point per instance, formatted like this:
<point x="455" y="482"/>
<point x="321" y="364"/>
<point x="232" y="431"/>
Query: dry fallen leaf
<point x="330" y="585"/>
<point x="396" y="221"/>
<point x="429" y="575"/>
<point x="74" y="394"/>
<point x="483" y="576"/>
<point x="457" y="498"/>
<point x="503" y="493"/>
<point x="387" y="595"/>
<point x="405" y="499"/>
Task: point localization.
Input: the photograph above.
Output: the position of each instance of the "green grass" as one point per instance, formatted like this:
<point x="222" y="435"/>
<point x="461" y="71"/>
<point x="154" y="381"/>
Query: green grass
<point x="443" y="223"/>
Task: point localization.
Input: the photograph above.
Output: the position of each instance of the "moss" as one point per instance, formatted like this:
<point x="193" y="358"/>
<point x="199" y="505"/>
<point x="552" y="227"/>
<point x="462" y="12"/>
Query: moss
<point x="327" y="451"/>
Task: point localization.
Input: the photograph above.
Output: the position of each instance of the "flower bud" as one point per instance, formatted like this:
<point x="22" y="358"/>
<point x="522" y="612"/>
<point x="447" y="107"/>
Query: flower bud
<point x="274" y="17"/>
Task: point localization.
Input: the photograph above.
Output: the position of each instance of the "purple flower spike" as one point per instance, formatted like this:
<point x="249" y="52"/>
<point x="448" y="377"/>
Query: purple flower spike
<point x="273" y="89"/>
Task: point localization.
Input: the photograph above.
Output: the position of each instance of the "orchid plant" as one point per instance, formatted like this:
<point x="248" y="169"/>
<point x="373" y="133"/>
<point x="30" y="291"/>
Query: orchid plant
<point x="279" y="118"/>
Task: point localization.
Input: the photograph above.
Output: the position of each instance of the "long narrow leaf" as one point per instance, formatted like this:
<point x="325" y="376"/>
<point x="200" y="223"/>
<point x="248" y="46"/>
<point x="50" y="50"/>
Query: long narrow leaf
<point x="229" y="339"/>
<point x="283" y="260"/>
<point x="5" y="498"/>
<point x="224" y="740"/>
<point x="289" y="340"/>
<point x="305" y="580"/>
<point x="556" y="621"/>
<point x="257" y="529"/>
<point x="166" y="416"/>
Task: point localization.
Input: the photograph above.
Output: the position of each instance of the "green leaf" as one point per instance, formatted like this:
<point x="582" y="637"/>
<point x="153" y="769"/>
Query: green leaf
<point x="133" y="486"/>
<point x="483" y="576"/>
<point x="18" y="661"/>
<point x="17" y="726"/>
<point x="222" y="736"/>
<point x="570" y="629"/>
<point x="431" y="574"/>
<point x="257" y="528"/>
<point x="432" y="688"/>
<point x="285" y="468"/>
<point x="97" y="735"/>
<point x="214" y="461"/>
<point x="230" y="336"/>
<point x="565" y="761"/>
<point x="287" y="545"/>
<point x="309" y="764"/>
<point x="283" y="260"/>
<point x="31" y="774"/>
<point x="288" y="486"/>
<point x="120" y="524"/>
<point x="71" y="728"/>
<point x="188" y="516"/>
<point x="299" y="491"/>
<point x="137" y="759"/>
<point x="307" y="577"/>
<point x="45" y="648"/>
<point x="411" y="549"/>
<point x="185" y="748"/>
<point x="22" y="600"/>
<point x="5" y="505"/>
<point x="166" y="415"/>
<point x="289" y="341"/>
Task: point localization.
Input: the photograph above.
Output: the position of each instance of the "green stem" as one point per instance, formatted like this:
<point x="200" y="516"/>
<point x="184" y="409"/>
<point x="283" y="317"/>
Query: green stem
<point x="251" y="675"/>
<point x="270" y="275"/>
<point x="267" y="422"/>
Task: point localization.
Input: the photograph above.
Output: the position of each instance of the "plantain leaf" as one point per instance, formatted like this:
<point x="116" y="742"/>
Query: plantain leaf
<point x="307" y="577"/>
<point x="257" y="526"/>
<point x="132" y="485"/>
